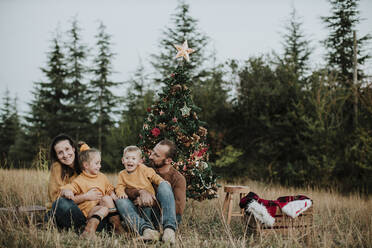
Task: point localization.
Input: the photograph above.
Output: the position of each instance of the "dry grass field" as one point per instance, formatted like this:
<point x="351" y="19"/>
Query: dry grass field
<point x="339" y="221"/>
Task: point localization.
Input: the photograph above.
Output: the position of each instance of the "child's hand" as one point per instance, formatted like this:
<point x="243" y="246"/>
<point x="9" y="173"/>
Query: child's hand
<point x="113" y="196"/>
<point x="93" y="195"/>
<point x="123" y="196"/>
<point x="67" y="194"/>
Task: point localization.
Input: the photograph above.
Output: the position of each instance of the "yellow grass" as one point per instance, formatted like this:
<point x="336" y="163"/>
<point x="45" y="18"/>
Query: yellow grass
<point x="339" y="221"/>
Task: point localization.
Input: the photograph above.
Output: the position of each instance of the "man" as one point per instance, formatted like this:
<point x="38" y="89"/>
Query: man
<point x="172" y="198"/>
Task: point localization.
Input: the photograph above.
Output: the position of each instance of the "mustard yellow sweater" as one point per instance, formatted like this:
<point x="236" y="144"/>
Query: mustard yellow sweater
<point x="85" y="182"/>
<point x="56" y="182"/>
<point x="141" y="178"/>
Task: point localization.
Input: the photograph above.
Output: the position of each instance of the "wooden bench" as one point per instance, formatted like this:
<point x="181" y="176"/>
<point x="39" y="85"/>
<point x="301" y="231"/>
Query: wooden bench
<point x="34" y="209"/>
<point x="283" y="223"/>
<point x="25" y="209"/>
<point x="31" y="214"/>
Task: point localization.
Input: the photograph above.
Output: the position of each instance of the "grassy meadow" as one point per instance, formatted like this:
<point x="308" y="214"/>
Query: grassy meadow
<point x="339" y="221"/>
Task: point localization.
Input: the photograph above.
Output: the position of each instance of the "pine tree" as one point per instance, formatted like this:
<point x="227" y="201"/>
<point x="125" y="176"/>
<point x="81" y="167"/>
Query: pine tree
<point x="49" y="109"/>
<point x="103" y="99"/>
<point x="79" y="95"/>
<point x="211" y="95"/>
<point x="174" y="116"/>
<point x="139" y="97"/>
<point x="339" y="43"/>
<point x="296" y="47"/>
<point x="184" y="27"/>
<point x="9" y="125"/>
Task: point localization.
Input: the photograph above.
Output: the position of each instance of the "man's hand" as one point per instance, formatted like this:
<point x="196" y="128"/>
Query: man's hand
<point x="93" y="195"/>
<point x="145" y="199"/>
<point x="122" y="196"/>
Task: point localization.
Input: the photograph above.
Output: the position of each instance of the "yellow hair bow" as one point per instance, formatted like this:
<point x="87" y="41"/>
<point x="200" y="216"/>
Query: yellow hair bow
<point x="84" y="147"/>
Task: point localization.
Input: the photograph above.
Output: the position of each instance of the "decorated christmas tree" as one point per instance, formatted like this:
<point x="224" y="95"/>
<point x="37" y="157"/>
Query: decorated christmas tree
<point x="174" y="116"/>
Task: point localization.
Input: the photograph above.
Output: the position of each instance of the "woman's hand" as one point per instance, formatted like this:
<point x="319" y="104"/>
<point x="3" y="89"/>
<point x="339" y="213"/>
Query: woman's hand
<point x="93" y="195"/>
<point x="67" y="194"/>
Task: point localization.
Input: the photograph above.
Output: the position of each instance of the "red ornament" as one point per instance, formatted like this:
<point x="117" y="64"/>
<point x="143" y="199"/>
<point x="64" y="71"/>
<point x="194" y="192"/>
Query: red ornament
<point x="202" y="151"/>
<point x="155" y="132"/>
<point x="174" y="119"/>
<point x="149" y="109"/>
<point x="172" y="75"/>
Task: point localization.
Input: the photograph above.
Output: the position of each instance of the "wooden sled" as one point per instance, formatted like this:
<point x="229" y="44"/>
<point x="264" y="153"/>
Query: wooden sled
<point x="283" y="223"/>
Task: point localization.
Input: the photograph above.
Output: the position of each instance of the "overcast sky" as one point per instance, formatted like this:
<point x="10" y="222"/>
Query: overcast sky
<point x="238" y="29"/>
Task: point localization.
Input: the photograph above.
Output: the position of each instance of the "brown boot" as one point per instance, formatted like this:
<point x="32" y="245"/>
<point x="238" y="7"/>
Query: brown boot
<point x="115" y="221"/>
<point x="90" y="228"/>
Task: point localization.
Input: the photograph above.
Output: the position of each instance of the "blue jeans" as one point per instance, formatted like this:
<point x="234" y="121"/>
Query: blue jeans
<point x="138" y="218"/>
<point x="67" y="214"/>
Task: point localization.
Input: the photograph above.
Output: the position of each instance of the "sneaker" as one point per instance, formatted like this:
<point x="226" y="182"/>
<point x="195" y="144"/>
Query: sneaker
<point x="150" y="235"/>
<point x="169" y="236"/>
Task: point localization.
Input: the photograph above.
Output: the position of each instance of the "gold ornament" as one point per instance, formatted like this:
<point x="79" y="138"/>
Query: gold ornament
<point x="202" y="131"/>
<point x="176" y="88"/>
<point x="184" y="51"/>
<point x="162" y="126"/>
<point x="196" y="137"/>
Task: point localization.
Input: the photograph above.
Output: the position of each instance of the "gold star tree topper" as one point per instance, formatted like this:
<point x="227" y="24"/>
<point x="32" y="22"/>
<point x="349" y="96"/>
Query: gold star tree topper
<point x="184" y="51"/>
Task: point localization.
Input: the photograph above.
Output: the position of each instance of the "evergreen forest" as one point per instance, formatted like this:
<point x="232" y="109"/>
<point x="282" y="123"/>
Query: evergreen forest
<point x="273" y="118"/>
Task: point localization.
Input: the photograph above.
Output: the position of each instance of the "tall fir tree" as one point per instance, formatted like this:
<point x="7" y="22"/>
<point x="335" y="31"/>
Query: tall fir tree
<point x="184" y="27"/>
<point x="139" y="96"/>
<point x="49" y="113"/>
<point x="296" y="47"/>
<point x="79" y="94"/>
<point x="174" y="116"/>
<point x="211" y="95"/>
<point x="339" y="44"/>
<point x="9" y="126"/>
<point x="104" y="101"/>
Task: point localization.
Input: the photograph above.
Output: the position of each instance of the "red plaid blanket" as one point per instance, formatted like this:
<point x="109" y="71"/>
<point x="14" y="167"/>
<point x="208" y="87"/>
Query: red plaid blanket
<point x="271" y="205"/>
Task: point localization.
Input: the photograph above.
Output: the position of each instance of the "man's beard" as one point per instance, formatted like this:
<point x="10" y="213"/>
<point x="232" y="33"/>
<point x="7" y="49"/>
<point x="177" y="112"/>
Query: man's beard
<point x="152" y="164"/>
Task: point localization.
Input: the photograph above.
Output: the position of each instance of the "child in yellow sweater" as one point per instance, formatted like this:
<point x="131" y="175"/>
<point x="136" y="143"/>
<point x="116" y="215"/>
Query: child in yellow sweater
<point x="92" y="178"/>
<point x="136" y="175"/>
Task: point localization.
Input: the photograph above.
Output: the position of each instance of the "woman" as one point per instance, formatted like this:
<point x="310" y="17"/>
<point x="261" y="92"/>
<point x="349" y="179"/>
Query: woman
<point x="65" y="167"/>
